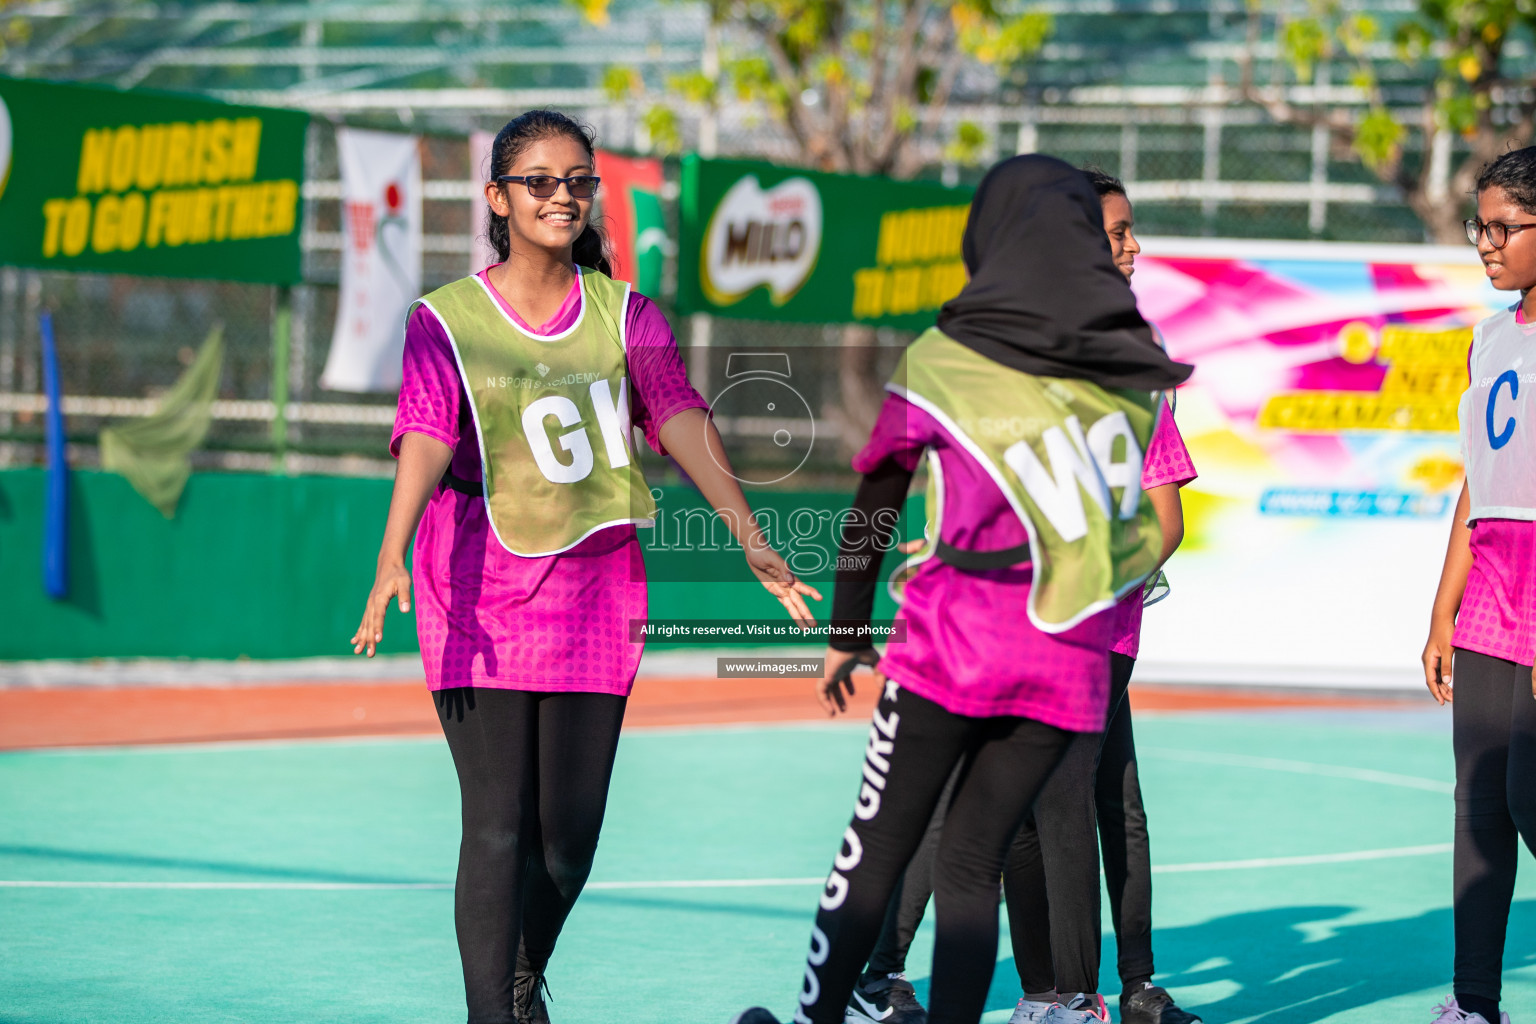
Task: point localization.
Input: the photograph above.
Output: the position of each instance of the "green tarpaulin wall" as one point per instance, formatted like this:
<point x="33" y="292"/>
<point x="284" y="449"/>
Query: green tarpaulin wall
<point x="260" y="567"/>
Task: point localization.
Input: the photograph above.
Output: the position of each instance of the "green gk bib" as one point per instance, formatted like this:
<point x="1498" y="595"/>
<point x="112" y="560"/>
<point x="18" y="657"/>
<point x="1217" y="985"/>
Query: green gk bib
<point x="552" y="415"/>
<point x="1067" y="454"/>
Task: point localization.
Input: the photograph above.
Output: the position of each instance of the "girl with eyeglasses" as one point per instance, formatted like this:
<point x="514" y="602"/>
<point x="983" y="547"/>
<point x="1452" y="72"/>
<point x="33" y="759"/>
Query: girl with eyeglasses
<point x="1482" y="635"/>
<point x="513" y="434"/>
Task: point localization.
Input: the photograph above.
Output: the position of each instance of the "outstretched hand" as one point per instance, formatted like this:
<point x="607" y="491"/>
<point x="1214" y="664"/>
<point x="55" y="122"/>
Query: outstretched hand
<point x="775" y="575"/>
<point x="838" y="673"/>
<point x="392" y="581"/>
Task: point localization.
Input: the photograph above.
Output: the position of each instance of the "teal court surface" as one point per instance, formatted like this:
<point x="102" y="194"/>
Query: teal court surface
<point x="1302" y="859"/>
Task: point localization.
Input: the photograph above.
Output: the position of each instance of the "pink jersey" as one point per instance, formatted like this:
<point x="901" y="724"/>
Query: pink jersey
<point x="1498" y="609"/>
<point x="970" y="646"/>
<point x="485" y="616"/>
<point x="1167" y="462"/>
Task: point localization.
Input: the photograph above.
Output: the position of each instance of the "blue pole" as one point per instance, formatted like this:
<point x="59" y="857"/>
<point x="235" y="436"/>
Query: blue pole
<point x="56" y="518"/>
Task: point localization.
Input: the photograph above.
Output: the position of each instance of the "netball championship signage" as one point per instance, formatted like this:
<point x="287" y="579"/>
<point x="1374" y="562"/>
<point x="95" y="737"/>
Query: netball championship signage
<point x="755" y="244"/>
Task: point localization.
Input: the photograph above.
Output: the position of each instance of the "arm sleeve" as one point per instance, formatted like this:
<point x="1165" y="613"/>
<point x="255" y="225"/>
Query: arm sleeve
<point x="1167" y="460"/>
<point x="431" y="394"/>
<point x="867" y="535"/>
<point x="659" y="386"/>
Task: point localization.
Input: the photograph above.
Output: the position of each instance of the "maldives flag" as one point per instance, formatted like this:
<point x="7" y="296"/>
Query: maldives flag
<point x="631" y="215"/>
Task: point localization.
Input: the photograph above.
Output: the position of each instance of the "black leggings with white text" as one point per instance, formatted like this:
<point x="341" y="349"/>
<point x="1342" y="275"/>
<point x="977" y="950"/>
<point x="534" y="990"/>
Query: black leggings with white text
<point x="1494" y="734"/>
<point x="913" y="746"/>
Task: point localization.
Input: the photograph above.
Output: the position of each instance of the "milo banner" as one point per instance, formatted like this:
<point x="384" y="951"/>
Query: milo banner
<point x="1322" y="420"/>
<point x="147" y="183"/>
<point x="773" y="243"/>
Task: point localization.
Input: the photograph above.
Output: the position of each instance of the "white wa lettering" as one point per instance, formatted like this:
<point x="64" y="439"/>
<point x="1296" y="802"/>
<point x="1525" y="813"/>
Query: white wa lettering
<point x="612" y="423"/>
<point x="1127" y="472"/>
<point x="1059" y="490"/>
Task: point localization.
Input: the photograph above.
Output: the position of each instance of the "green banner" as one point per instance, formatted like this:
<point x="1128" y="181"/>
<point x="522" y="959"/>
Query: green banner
<point x="147" y="183"/>
<point x="762" y="242"/>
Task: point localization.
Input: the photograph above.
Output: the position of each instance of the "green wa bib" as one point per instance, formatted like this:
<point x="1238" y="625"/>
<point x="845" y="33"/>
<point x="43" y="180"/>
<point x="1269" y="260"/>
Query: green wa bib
<point x="1067" y="454"/>
<point x="552" y="415"/>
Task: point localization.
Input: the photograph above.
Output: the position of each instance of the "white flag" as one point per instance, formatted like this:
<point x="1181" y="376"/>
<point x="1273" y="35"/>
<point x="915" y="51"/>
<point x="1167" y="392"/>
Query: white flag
<point x="380" y="259"/>
<point x="481" y="255"/>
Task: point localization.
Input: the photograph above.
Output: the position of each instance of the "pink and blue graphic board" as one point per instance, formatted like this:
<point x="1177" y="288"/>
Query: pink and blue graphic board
<point x="1322" y="419"/>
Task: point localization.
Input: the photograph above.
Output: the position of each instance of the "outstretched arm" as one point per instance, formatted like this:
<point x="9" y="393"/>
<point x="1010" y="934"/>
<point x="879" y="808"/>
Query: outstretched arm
<point x="1442" y="620"/>
<point x="694" y="442"/>
<point x="1170" y="519"/>
<point x="867" y="535"/>
<point x="422" y="462"/>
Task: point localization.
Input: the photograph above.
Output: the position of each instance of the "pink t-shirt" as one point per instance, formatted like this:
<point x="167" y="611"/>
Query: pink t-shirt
<point x="487" y="617"/>
<point x="1498" y="608"/>
<point x="970" y="646"/>
<point x="1167" y="462"/>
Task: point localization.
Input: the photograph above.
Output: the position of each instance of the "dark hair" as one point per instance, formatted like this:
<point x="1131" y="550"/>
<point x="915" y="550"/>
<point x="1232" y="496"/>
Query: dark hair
<point x="591" y="248"/>
<point x="1515" y="173"/>
<point x="1104" y="184"/>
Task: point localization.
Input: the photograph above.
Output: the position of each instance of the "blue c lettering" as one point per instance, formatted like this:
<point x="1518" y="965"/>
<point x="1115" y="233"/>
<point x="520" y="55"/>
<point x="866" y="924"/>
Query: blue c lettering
<point x="1501" y="439"/>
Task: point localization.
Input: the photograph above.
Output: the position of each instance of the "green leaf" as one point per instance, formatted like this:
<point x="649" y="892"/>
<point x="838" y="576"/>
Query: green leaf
<point x="661" y="124"/>
<point x="620" y="83"/>
<point x="694" y="86"/>
<point x="1303" y="43"/>
<point x="1378" y="138"/>
<point x="969" y="146"/>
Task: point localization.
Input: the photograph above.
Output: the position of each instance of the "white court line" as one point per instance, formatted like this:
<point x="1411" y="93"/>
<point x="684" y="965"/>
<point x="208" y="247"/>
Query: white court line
<point x="1254" y="864"/>
<point x="1305" y="859"/>
<point x="1277" y="764"/>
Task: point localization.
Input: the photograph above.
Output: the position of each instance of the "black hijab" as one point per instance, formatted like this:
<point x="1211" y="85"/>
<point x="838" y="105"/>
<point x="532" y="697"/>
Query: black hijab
<point x="1044" y="295"/>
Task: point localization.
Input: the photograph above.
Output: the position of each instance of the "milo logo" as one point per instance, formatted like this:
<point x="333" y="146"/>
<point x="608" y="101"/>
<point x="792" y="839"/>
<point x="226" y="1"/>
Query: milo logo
<point x="759" y="237"/>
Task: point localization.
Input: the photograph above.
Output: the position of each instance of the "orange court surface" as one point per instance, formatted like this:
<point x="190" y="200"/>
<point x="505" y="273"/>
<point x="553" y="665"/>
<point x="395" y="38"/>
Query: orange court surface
<point x="301" y="709"/>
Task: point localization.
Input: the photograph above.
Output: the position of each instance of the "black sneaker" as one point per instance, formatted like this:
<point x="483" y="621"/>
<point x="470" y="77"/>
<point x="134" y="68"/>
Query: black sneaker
<point x="755" y="1015"/>
<point x="887" y="1000"/>
<point x="1152" y="1005"/>
<point x="529" y="990"/>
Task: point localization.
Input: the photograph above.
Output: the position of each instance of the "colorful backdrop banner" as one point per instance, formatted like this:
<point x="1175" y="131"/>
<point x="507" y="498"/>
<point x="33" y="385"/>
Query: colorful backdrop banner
<point x="146" y="183"/>
<point x="1322" y="420"/>
<point x="755" y="245"/>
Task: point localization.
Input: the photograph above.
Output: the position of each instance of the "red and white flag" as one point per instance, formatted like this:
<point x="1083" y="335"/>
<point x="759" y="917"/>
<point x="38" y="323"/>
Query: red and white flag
<point x="380" y="260"/>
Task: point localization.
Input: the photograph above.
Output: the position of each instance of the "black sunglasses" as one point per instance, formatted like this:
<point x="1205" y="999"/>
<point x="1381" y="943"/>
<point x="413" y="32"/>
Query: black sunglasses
<point x="544" y="186"/>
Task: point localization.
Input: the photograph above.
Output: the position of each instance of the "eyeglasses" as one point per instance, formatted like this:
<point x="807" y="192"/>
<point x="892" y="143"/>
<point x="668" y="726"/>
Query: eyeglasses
<point x="544" y="186"/>
<point x="1498" y="234"/>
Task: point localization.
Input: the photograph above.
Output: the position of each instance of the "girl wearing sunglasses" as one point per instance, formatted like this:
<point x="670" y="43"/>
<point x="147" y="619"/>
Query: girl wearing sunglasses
<point x="514" y="441"/>
<point x="1484" y="619"/>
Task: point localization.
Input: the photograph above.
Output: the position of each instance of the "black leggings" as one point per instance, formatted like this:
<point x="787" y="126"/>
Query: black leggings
<point x="913" y="746"/>
<point x="533" y="777"/>
<point x="1494" y="733"/>
<point x="1059" y="883"/>
<point x="1053" y="866"/>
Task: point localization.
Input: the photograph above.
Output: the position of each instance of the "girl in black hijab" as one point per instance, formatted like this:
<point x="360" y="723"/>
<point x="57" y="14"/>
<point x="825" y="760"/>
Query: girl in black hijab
<point x="1005" y="655"/>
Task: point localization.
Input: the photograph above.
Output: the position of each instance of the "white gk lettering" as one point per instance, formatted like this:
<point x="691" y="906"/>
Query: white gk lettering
<point x="1080" y="464"/>
<point x="612" y="418"/>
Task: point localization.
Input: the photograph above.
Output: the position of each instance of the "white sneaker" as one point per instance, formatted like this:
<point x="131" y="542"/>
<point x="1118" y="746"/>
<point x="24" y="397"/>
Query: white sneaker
<point x="1083" y="1009"/>
<point x="1031" y="1012"/>
<point x="1449" y="1013"/>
